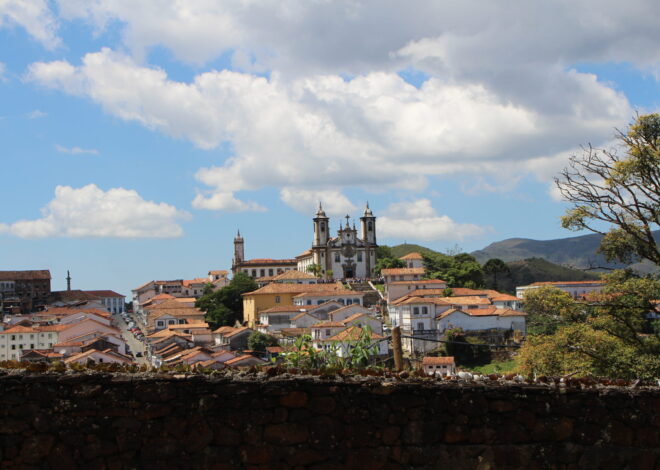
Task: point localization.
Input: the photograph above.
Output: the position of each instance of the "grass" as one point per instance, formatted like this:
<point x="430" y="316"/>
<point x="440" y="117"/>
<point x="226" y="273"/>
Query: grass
<point x="380" y="287"/>
<point x="499" y="367"/>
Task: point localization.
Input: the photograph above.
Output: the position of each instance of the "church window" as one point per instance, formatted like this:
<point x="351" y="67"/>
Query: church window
<point x="359" y="256"/>
<point x="371" y="226"/>
<point x="337" y="258"/>
<point x="322" y="227"/>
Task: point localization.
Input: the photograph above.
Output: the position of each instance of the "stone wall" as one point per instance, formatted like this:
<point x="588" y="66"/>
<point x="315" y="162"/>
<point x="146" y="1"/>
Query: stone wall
<point x="125" y="421"/>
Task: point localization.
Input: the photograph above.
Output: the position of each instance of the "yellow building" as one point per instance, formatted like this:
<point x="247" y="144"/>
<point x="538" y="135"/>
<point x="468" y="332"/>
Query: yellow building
<point x="273" y="295"/>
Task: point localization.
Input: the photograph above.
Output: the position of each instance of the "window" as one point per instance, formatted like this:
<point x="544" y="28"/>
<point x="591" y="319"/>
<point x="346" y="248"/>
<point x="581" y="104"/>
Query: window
<point x="416" y="310"/>
<point x="337" y="258"/>
<point x="270" y="272"/>
<point x="359" y="256"/>
<point x="262" y="272"/>
<point x="277" y="299"/>
<point x="32" y="346"/>
<point x="356" y="301"/>
<point x="420" y="326"/>
<point x="425" y="310"/>
<point x="322" y="227"/>
<point x="13" y="337"/>
<point x="327" y="332"/>
<point x="13" y="346"/>
<point x="309" y="302"/>
<point x="254" y="273"/>
<point x="160" y="323"/>
<point x="370" y="226"/>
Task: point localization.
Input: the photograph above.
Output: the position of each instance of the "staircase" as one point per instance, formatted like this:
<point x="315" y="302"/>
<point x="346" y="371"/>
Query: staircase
<point x="371" y="296"/>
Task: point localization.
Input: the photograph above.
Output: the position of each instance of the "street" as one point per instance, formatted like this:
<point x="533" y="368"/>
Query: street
<point x="132" y="343"/>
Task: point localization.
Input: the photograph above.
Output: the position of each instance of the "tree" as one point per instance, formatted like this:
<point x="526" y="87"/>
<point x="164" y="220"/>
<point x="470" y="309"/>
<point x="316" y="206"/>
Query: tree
<point x="603" y="336"/>
<point x="258" y="341"/>
<point x="495" y="266"/>
<point x="460" y="270"/>
<point x="315" y="269"/>
<point x="388" y="263"/>
<point x="619" y="191"/>
<point x="547" y="308"/>
<point x="225" y="306"/>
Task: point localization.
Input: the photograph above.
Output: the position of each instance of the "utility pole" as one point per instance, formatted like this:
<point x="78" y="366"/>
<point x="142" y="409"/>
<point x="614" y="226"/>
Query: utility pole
<point x="396" y="348"/>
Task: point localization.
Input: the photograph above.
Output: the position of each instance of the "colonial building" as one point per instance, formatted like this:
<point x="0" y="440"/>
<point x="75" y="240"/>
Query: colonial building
<point x="345" y="256"/>
<point x="260" y="267"/>
<point x="24" y="291"/>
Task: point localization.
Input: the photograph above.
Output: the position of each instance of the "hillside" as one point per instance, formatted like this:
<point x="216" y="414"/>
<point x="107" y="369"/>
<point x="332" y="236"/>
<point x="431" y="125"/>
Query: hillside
<point x="522" y="272"/>
<point x="578" y="252"/>
<point x="531" y="270"/>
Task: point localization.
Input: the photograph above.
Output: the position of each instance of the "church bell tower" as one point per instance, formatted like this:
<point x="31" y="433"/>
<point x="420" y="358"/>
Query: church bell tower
<point x="239" y="251"/>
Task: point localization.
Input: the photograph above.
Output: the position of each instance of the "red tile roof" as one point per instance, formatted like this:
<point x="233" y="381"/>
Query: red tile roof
<point x="412" y="256"/>
<point x="104" y="293"/>
<point x="41" y="274"/>
<point x="438" y="361"/>
<point x="402" y="271"/>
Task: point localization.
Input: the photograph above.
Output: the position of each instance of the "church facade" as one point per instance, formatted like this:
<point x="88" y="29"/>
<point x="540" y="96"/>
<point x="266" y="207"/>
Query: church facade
<point x="345" y="256"/>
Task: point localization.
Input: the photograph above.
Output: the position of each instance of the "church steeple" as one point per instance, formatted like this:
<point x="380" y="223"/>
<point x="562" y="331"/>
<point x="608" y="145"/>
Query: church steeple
<point x="239" y="249"/>
<point x="321" y="227"/>
<point x="68" y="280"/>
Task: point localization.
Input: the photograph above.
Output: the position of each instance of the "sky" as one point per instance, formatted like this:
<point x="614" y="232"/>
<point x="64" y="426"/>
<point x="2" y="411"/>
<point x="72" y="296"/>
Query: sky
<point x="138" y="137"/>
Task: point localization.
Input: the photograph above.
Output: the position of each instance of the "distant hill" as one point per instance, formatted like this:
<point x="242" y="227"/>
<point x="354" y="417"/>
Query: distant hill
<point x="527" y="271"/>
<point x="522" y="272"/>
<point x="578" y="252"/>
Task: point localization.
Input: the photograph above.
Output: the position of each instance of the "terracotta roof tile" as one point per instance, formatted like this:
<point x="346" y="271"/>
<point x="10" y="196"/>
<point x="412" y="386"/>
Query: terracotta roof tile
<point x="438" y="361"/>
<point x="402" y="271"/>
<point x="412" y="256"/>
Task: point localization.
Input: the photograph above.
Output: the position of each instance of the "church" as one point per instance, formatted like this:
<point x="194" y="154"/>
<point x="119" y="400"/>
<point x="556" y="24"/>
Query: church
<point x="345" y="256"/>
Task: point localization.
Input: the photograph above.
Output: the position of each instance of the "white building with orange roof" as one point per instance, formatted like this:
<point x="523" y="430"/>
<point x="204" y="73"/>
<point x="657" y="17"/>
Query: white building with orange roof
<point x="344" y="341"/>
<point x="346" y="297"/>
<point x="114" y="302"/>
<point x="194" y="288"/>
<point x="575" y="289"/>
<point x="413" y="260"/>
<point x="14" y="340"/>
<point x="397" y="289"/>
<point x="443" y="365"/>
<point x="485" y="318"/>
<point x="402" y="274"/>
<point x="99" y="357"/>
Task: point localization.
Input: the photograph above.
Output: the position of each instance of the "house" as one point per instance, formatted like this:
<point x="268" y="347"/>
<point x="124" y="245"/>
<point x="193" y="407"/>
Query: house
<point x="24" y="291"/>
<point x="402" y="274"/>
<point x="439" y="365"/>
<point x="575" y="289"/>
<point x="486" y="318"/>
<point x="342" y="313"/>
<point x="319" y="297"/>
<point x="219" y="278"/>
<point x="231" y="338"/>
<point x="413" y="260"/>
<point x="397" y="289"/>
<point x="275" y="294"/>
<point x="344" y="341"/>
<point x="246" y="360"/>
<point x="40" y="355"/>
<point x="18" y="338"/>
<point x="194" y="287"/>
<point x="304" y="320"/>
<point x="276" y="318"/>
<point x="99" y="357"/>
<point x="362" y="320"/>
<point x="112" y="301"/>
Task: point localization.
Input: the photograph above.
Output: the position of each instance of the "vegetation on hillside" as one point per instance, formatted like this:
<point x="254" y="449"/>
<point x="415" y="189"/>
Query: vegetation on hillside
<point x="224" y="307"/>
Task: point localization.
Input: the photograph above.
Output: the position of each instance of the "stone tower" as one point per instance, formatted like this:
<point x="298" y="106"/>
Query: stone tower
<point x="239" y="250"/>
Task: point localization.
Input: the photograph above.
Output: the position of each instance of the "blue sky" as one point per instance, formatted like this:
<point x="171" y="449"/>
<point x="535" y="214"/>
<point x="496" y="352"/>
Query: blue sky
<point x="137" y="138"/>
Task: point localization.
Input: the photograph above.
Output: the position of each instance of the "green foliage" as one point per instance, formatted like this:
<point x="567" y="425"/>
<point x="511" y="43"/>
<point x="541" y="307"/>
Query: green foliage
<point x="618" y="190"/>
<point x="461" y="270"/>
<point x="305" y="356"/>
<point x="224" y="307"/>
<point x="601" y="337"/>
<point x="500" y="367"/>
<point x="315" y="269"/>
<point x="494" y="268"/>
<point x="474" y="353"/>
<point x="387" y="263"/>
<point x="258" y="341"/>
<point x="524" y="272"/>
<point x="547" y="308"/>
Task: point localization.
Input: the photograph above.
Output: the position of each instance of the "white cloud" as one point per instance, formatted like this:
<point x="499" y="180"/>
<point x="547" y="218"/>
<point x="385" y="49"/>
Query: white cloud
<point x="34" y="16"/>
<point x="75" y="150"/>
<point x="325" y="132"/>
<point x="418" y="220"/>
<point x="91" y="212"/>
<point x="307" y="201"/>
<point x="36" y="114"/>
